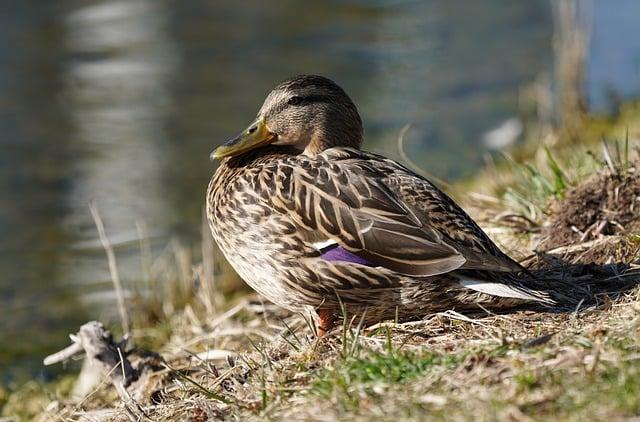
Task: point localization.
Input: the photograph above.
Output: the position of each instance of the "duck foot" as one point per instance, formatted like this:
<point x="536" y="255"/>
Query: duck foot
<point x="325" y="322"/>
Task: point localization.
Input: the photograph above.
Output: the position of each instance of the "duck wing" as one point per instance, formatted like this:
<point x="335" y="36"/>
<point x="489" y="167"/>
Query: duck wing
<point x="346" y="196"/>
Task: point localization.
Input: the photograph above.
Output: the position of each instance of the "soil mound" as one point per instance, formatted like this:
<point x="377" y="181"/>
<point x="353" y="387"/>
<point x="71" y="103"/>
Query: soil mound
<point x="598" y="220"/>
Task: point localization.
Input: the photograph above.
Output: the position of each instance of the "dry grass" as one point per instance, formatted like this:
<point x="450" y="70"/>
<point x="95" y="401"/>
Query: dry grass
<point x="250" y="360"/>
<point x="259" y="363"/>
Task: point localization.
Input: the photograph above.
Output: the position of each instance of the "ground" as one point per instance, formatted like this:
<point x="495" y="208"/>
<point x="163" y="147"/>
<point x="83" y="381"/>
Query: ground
<point x="240" y="358"/>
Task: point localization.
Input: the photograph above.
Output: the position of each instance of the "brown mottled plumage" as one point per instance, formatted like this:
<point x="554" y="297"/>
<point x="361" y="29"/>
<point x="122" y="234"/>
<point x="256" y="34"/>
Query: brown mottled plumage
<point x="295" y="185"/>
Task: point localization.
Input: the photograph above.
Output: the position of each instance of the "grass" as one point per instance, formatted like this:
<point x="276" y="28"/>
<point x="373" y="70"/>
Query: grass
<point x="552" y="160"/>
<point x="374" y="368"/>
<point x="581" y="374"/>
<point x="493" y="366"/>
<point x="244" y="359"/>
<point x="529" y="187"/>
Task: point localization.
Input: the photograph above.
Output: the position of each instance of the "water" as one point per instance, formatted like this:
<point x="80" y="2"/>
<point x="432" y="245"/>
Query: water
<point x="121" y="102"/>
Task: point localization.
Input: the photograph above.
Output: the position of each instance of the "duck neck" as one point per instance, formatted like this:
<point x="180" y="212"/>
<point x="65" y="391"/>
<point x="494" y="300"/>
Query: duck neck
<point x="345" y="135"/>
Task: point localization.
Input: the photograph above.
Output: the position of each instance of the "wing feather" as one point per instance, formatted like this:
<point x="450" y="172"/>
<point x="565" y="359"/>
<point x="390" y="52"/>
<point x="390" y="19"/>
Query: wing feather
<point x="359" y="200"/>
<point x="357" y="210"/>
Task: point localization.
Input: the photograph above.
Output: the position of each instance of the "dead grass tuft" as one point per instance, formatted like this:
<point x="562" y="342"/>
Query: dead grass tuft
<point x="606" y="204"/>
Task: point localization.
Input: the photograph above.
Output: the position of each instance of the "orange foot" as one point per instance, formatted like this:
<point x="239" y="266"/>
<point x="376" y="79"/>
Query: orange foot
<point x="325" y="321"/>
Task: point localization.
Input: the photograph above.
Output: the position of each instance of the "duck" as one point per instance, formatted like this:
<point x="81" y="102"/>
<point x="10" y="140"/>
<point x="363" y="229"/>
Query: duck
<point x="314" y="223"/>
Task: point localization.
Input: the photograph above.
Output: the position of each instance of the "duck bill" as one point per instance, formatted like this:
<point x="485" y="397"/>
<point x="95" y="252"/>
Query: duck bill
<point x="255" y="136"/>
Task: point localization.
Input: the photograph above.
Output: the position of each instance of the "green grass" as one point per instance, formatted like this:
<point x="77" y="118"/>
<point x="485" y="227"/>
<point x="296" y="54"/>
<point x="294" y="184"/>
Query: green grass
<point x="604" y="381"/>
<point x="374" y="374"/>
<point x="30" y="399"/>
<point x="614" y="388"/>
<point x="378" y="367"/>
<point x="534" y="184"/>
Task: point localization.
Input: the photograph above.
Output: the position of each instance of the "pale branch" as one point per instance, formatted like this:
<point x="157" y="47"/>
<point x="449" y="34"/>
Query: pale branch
<point x="102" y="352"/>
<point x="113" y="268"/>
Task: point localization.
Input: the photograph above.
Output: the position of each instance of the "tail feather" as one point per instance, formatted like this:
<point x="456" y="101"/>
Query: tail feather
<point x="552" y="286"/>
<point x="506" y="290"/>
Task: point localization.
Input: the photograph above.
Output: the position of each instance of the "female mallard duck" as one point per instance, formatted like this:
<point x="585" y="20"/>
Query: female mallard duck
<point x="310" y="221"/>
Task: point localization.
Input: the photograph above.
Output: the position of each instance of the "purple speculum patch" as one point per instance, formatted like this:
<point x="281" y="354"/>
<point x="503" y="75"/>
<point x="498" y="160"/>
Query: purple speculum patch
<point x="335" y="253"/>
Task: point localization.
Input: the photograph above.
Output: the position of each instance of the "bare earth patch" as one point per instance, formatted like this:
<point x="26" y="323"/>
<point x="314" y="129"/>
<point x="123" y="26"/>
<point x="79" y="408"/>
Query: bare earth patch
<point x="606" y="204"/>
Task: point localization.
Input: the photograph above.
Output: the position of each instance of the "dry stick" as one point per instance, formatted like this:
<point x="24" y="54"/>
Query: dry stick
<point x="105" y="379"/>
<point x="412" y="164"/>
<point x="113" y="269"/>
<point x="145" y="250"/>
<point x="135" y="412"/>
<point x="105" y="355"/>
<point x="208" y="279"/>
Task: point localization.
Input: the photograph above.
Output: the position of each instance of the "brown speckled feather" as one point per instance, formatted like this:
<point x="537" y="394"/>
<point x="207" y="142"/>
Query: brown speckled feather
<point x="268" y="207"/>
<point x="376" y="208"/>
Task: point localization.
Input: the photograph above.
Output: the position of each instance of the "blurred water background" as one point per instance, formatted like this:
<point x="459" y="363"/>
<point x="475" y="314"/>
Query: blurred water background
<point x="121" y="101"/>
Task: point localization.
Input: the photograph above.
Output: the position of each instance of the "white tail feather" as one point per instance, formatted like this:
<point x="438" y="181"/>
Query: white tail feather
<point x="499" y="289"/>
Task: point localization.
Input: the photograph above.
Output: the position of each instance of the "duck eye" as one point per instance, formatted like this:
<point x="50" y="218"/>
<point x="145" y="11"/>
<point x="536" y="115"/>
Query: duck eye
<point x="294" y="100"/>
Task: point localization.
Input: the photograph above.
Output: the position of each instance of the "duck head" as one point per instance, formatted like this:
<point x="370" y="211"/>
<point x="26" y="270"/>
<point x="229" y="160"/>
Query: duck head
<point x="308" y="112"/>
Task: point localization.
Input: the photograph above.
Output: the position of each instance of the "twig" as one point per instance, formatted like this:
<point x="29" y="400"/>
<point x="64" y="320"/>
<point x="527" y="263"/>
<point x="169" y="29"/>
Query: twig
<point x="113" y="269"/>
<point x="458" y="316"/>
<point x="607" y="156"/>
<point x="577" y="247"/>
<point x="145" y="249"/>
<point x="64" y="354"/>
<point x="135" y="412"/>
<point x="97" y="343"/>
<point x="412" y="164"/>
<point x="208" y="279"/>
<point x="105" y="379"/>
